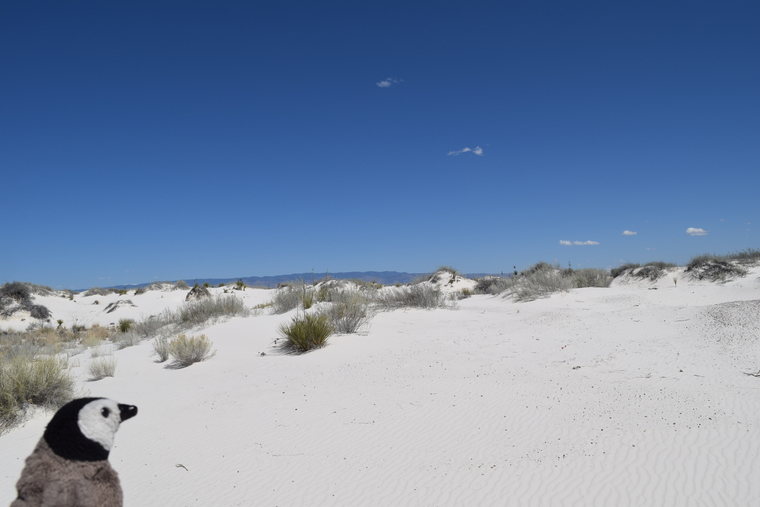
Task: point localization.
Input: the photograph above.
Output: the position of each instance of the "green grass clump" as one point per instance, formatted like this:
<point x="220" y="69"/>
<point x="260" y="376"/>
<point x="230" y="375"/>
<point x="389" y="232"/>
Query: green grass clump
<point x="125" y="325"/>
<point x="306" y="333"/>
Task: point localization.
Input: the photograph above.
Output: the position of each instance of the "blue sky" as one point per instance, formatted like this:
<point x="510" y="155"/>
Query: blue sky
<point x="166" y="140"/>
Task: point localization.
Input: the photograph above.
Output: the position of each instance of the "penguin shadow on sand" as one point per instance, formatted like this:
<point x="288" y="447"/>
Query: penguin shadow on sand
<point x="69" y="466"/>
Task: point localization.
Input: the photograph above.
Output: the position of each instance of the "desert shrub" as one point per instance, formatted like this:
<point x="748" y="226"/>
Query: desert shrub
<point x="652" y="271"/>
<point x="464" y="293"/>
<point x="590" y="278"/>
<point x="94" y="335"/>
<point x="713" y="268"/>
<point x="493" y="285"/>
<point x="140" y="290"/>
<point x="195" y="313"/>
<point x="185" y="351"/>
<point x="125" y="325"/>
<point x="98" y="291"/>
<point x="414" y="296"/>
<point x="128" y="339"/>
<point x="161" y="348"/>
<point x="102" y="367"/>
<point x="181" y="285"/>
<point x="286" y="299"/>
<point x="152" y="325"/>
<point x="240" y="285"/>
<point x="748" y="256"/>
<point x="39" y="312"/>
<point x="436" y="277"/>
<point x="539" y="281"/>
<point x="28" y="380"/>
<point x="623" y="268"/>
<point x="348" y="313"/>
<point x="16" y="291"/>
<point x="307" y="332"/>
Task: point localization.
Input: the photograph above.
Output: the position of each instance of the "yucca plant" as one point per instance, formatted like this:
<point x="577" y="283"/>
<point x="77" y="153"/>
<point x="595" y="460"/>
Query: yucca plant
<point x="307" y="332"/>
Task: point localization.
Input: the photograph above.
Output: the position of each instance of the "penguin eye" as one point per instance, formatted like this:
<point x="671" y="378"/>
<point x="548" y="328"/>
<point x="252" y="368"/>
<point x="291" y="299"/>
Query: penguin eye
<point x="105" y="412"/>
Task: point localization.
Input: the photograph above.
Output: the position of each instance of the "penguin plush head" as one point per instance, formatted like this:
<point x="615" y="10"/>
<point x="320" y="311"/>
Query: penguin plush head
<point x="84" y="429"/>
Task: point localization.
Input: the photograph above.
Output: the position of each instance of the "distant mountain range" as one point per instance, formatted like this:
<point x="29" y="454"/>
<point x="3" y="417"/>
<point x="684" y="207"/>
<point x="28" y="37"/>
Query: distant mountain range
<point x="383" y="277"/>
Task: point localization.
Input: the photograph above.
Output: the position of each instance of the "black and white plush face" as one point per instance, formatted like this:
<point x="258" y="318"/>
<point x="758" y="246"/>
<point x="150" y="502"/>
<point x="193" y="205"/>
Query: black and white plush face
<point x="84" y="429"/>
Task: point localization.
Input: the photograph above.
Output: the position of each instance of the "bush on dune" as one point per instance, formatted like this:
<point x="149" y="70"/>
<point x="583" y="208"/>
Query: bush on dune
<point x="348" y="312"/>
<point x="714" y="268"/>
<point x="15" y="296"/>
<point x="415" y="296"/>
<point x="198" y="312"/>
<point x="306" y="333"/>
<point x="492" y="285"/>
<point x="30" y="380"/>
<point x="590" y="277"/>
<point x="543" y="279"/>
<point x="293" y="296"/>
<point x="189" y="350"/>
<point x="652" y="271"/>
<point x="539" y="281"/>
<point x="102" y="367"/>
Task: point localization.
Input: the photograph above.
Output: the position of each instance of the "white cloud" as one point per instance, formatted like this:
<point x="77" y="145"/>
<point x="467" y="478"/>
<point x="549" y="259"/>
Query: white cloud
<point x="475" y="151"/>
<point x="629" y="233"/>
<point x="388" y="82"/>
<point x="565" y="242"/>
<point x="696" y="231"/>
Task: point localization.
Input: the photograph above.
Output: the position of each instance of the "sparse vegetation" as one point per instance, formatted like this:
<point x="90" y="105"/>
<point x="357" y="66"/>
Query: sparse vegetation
<point x="195" y="313"/>
<point x="188" y="350"/>
<point x="125" y="325"/>
<point x="307" y="332"/>
<point x="414" y="296"/>
<point x="714" y="268"/>
<point x="292" y="296"/>
<point x="348" y="313"/>
<point x="652" y="271"/>
<point x="102" y="367"/>
<point x="589" y="277"/>
<point x="540" y="280"/>
<point x="492" y="285"/>
<point x="32" y="380"/>
<point x="161" y="348"/>
<point x="464" y="294"/>
<point x="99" y="291"/>
<point x="15" y="296"/>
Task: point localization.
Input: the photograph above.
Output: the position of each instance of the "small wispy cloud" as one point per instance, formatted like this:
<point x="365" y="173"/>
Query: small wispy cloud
<point x="696" y="231"/>
<point x="475" y="151"/>
<point x="629" y="233"/>
<point x="388" y="82"/>
<point x="565" y="242"/>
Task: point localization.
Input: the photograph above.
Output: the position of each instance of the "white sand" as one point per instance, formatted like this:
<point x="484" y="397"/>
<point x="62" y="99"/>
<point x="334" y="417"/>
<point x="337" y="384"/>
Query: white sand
<point x="618" y="396"/>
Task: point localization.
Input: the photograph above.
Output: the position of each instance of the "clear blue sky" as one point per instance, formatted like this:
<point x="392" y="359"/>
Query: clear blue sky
<point x="166" y="140"/>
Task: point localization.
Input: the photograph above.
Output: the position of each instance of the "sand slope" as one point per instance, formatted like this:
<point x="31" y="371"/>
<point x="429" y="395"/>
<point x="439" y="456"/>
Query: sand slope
<point x="619" y="396"/>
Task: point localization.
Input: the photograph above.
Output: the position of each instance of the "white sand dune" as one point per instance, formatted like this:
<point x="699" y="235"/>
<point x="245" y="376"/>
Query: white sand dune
<point x="616" y="396"/>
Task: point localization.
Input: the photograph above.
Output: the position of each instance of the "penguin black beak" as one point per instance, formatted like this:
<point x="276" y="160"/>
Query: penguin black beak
<point x="127" y="411"/>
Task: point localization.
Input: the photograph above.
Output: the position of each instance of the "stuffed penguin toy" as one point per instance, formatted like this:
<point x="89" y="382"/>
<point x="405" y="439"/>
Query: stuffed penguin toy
<point x="69" y="466"/>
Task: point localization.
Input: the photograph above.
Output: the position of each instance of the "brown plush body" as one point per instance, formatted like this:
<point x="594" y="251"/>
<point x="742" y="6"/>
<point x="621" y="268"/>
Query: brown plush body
<point x="49" y="480"/>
